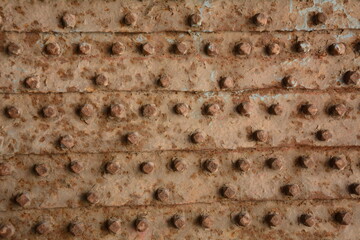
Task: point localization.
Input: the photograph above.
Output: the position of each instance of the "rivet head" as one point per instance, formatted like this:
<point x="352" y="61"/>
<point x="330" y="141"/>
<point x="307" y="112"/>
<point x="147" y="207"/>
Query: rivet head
<point x="92" y="198"/>
<point x="319" y="18"/>
<point x="337" y="49"/>
<point x="206" y="221"/>
<point x="274" y="163"/>
<point x="307" y="220"/>
<point x="141" y="224"/>
<point x="260" y="19"/>
<point x="14" y="49"/>
<point x="289" y="82"/>
<point x="243" y="48"/>
<point x="178" y="221"/>
<point x="292" y="190"/>
<point x="112" y="167"/>
<point x="148" y="49"/>
<point x="13" y="112"/>
<point x="228" y="191"/>
<point x="212" y="109"/>
<point x="76" y="167"/>
<point x="23" y="199"/>
<point x="147" y="167"/>
<point x="162" y="194"/>
<point x="242" y="165"/>
<point x="6" y="230"/>
<point x="260" y="136"/>
<point x="41" y="170"/>
<point x="113" y="225"/>
<point x="5" y="169"/>
<point x="351" y="77"/>
<point x="86" y="111"/>
<point x="116" y="110"/>
<point x="337" y="110"/>
<point x="101" y="80"/>
<point x="275" y="109"/>
<point x="52" y="49"/>
<point x="198" y="137"/>
<point x="211" y="165"/>
<point x="226" y="82"/>
<point x="133" y="138"/>
<point x="49" y="112"/>
<point x="67" y="142"/>
<point x="164" y="81"/>
<point x="68" y="20"/>
<point x="302" y="47"/>
<point x="182" y="109"/>
<point x="84" y="48"/>
<point x="243" y="219"/>
<point x="323" y="135"/>
<point x="181" y="48"/>
<point x="76" y="228"/>
<point x="274" y="219"/>
<point x="43" y="228"/>
<point x="305" y="162"/>
<point x="211" y="49"/>
<point x="130" y="19"/>
<point x="148" y="110"/>
<point x="178" y="165"/>
<point x="338" y="163"/>
<point x="354" y="188"/>
<point x="273" y="49"/>
<point x="309" y="109"/>
<point x="195" y="20"/>
<point x="343" y="217"/>
<point x="32" y="82"/>
<point x="244" y="109"/>
<point x="117" y="48"/>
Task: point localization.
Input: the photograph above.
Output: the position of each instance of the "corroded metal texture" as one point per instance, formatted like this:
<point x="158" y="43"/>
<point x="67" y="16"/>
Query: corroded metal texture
<point x="179" y="119"/>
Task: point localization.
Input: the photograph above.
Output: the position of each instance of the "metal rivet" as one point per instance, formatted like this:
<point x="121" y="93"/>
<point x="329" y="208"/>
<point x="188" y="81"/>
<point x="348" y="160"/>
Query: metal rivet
<point x="309" y="109"/>
<point x="226" y="82"/>
<point x="307" y="220"/>
<point x="5" y="169"/>
<point x="211" y="165"/>
<point x="133" y="138"/>
<point x="41" y="170"/>
<point x="116" y="110"/>
<point x="343" y="217"/>
<point x="76" y="228"/>
<point x="351" y="77"/>
<point x="178" y="165"/>
<point x="164" y="81"/>
<point x="92" y="198"/>
<point x="243" y="48"/>
<point x="198" y="137"/>
<point x="14" y="49"/>
<point x="182" y="109"/>
<point x="147" y="167"/>
<point x="275" y="109"/>
<point x="274" y="163"/>
<point x="228" y="191"/>
<point x="273" y="49"/>
<point x="148" y="49"/>
<point x="211" y="49"/>
<point x="244" y="109"/>
<point x="338" y="163"/>
<point x="117" y="48"/>
<point x="43" y="228"/>
<point x="68" y="20"/>
<point x="337" y="110"/>
<point x="319" y="18"/>
<point x="76" y="167"/>
<point x="260" y="19"/>
<point x="212" y="109"/>
<point x="162" y="194"/>
<point x="206" y="221"/>
<point x="243" y="219"/>
<point x="130" y="19"/>
<point x="13" y="112"/>
<point x="32" y="82"/>
<point x="289" y="82"/>
<point x="302" y="47"/>
<point x="148" y="110"/>
<point x="273" y="219"/>
<point x="52" y="49"/>
<point x="113" y="225"/>
<point x="67" y="142"/>
<point x="86" y="111"/>
<point x="291" y="190"/>
<point x="84" y="48"/>
<point x="195" y="20"/>
<point x="305" y="162"/>
<point x="181" y="48"/>
<point x="260" y="136"/>
<point x="141" y="224"/>
<point x="178" y="221"/>
<point x="323" y="135"/>
<point x="354" y="188"/>
<point x="337" y="49"/>
<point x="112" y="167"/>
<point x="23" y="199"/>
<point x="49" y="112"/>
<point x="242" y="165"/>
<point x="7" y="230"/>
<point x="101" y="80"/>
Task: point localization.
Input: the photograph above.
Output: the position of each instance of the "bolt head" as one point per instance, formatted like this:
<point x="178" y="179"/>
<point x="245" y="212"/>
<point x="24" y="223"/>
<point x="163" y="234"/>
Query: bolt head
<point x="23" y="199"/>
<point x="307" y="220"/>
<point x="49" y="112"/>
<point x="178" y="221"/>
<point x="243" y="48"/>
<point x="355" y="188"/>
<point x="292" y="190"/>
<point x="133" y="138"/>
<point x="101" y="80"/>
<point x="92" y="198"/>
<point x="41" y="170"/>
<point x="244" y="109"/>
<point x="198" y="137"/>
<point x="148" y="110"/>
<point x="147" y="167"/>
<point x="76" y="167"/>
<point x="319" y="18"/>
<point x="275" y="109"/>
<point x="343" y="217"/>
<point x="302" y="47"/>
<point x="228" y="192"/>
<point x="164" y="81"/>
<point x="6" y="230"/>
<point x="86" y="111"/>
<point x="67" y="142"/>
<point x="243" y="219"/>
<point x="212" y="109"/>
<point x="274" y="219"/>
<point x="206" y="221"/>
<point x="323" y="135"/>
<point x="13" y="112"/>
<point x="306" y="162"/>
<point x="338" y="163"/>
<point x="337" y="110"/>
<point x="116" y="110"/>
<point x="52" y="49"/>
<point x="211" y="49"/>
<point x="182" y="109"/>
<point x="178" y="165"/>
<point x="351" y="77"/>
<point x="114" y="226"/>
<point x="68" y="20"/>
<point x="309" y="109"/>
<point x="84" y="48"/>
<point x="273" y="49"/>
<point x="195" y="20"/>
<point x="275" y="163"/>
<point x="117" y="48"/>
<point x="337" y="49"/>
<point x="211" y="165"/>
<point x="130" y="19"/>
<point x="112" y="167"/>
<point x="289" y="82"/>
<point x="242" y="165"/>
<point x="181" y="48"/>
<point x="14" y="49"/>
<point x="260" y="19"/>
<point x="162" y="194"/>
<point x="141" y="224"/>
<point x="226" y="82"/>
<point x="76" y="228"/>
<point x="43" y="228"/>
<point x="148" y="49"/>
<point x="5" y="169"/>
<point x="260" y="136"/>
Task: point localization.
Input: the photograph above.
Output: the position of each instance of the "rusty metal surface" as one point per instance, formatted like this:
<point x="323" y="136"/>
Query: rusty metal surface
<point x="179" y="119"/>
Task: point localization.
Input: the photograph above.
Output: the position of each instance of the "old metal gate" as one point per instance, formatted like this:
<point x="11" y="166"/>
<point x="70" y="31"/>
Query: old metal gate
<point x="188" y="119"/>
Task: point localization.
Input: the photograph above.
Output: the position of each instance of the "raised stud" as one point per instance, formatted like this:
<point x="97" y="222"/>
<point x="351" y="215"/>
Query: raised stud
<point x="226" y="82"/>
<point x="13" y="112"/>
<point x="211" y="49"/>
<point x="52" y="49"/>
<point x="195" y="20"/>
<point x="92" y="198"/>
<point x="86" y="111"/>
<point x="113" y="225"/>
<point x="147" y="167"/>
<point x="260" y="136"/>
<point x="228" y="191"/>
<point x="273" y="219"/>
<point x="354" y="188"/>
<point x="112" y="167"/>
<point x="244" y="109"/>
<point x="116" y="110"/>
<point x="289" y="82"/>
<point x="141" y="224"/>
<point x="302" y="47"/>
<point x="117" y="48"/>
<point x="49" y="112"/>
<point x="162" y="194"/>
<point x="101" y="80"/>
<point x="243" y="48"/>
<point x="148" y="49"/>
<point x="181" y="48"/>
<point x="178" y="165"/>
<point x="242" y="165"/>
<point x="130" y="19"/>
<point x="182" y="109"/>
<point x="305" y="162"/>
<point x="5" y="169"/>
<point x="68" y="20"/>
<point x="23" y="199"/>
<point x="84" y="48"/>
<point x="66" y="142"/>
<point x="274" y="163"/>
<point x="178" y="221"/>
<point x="212" y="109"/>
<point x="343" y="217"/>
<point x="273" y="49"/>
<point x="243" y="219"/>
<point x="307" y="220"/>
<point x="148" y="110"/>
<point x="76" y="228"/>
<point x="275" y="109"/>
<point x="291" y="190"/>
<point x="41" y="170"/>
<point x="337" y="110"/>
<point x="338" y="163"/>
<point x="164" y="81"/>
<point x="260" y="19"/>
<point x="337" y="49"/>
<point x="133" y="138"/>
<point x="323" y="135"/>
<point x="206" y="221"/>
<point x="198" y="137"/>
<point x="14" y="49"/>
<point x="32" y="82"/>
<point x="319" y="18"/>
<point x="211" y="165"/>
<point x="6" y="230"/>
<point x="43" y="228"/>
<point x="309" y="109"/>
<point x="351" y="77"/>
<point x="76" y="167"/>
